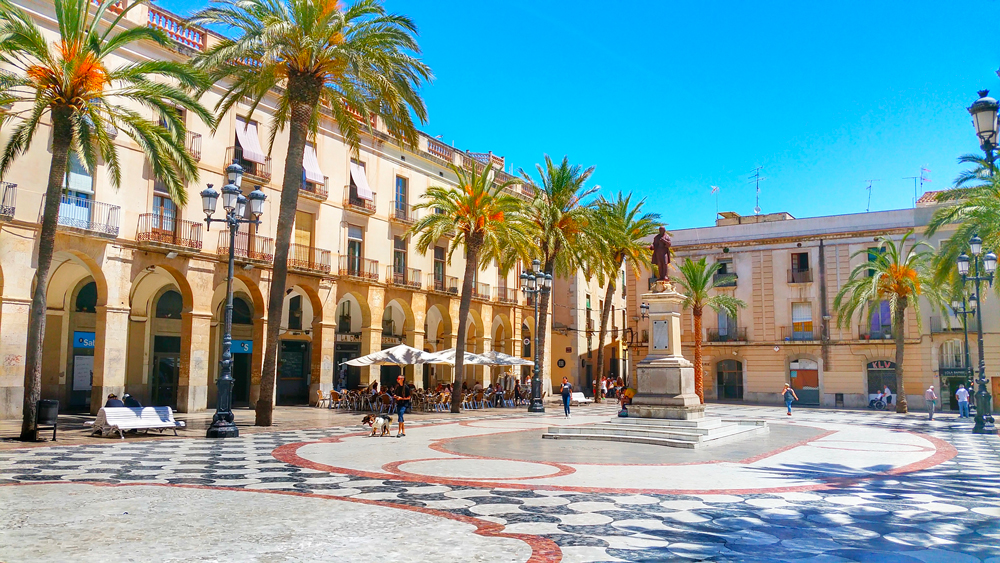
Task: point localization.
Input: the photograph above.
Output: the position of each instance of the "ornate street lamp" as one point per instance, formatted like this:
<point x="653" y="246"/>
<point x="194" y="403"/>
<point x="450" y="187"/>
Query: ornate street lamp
<point x="966" y="309"/>
<point x="984" y="119"/>
<point x="535" y="282"/>
<point x="984" y="416"/>
<point x="234" y="203"/>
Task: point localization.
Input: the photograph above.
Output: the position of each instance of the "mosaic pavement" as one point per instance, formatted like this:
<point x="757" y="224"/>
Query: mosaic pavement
<point x="860" y="487"/>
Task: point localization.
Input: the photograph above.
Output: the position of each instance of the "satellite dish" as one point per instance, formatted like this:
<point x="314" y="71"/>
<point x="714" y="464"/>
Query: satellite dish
<point x="756" y="210"/>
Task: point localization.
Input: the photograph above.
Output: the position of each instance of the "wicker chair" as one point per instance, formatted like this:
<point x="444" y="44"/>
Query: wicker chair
<point x="320" y="399"/>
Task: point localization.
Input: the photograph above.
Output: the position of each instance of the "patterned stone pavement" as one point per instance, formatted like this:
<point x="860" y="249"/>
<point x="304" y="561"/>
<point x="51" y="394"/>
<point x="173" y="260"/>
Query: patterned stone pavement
<point x="303" y="499"/>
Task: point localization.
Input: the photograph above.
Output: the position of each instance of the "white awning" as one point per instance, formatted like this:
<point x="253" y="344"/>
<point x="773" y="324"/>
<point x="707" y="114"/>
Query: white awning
<point x="401" y="355"/>
<point x="361" y="182"/>
<point x="246" y="134"/>
<point x="501" y="359"/>
<point x="311" y="165"/>
<point x="449" y="356"/>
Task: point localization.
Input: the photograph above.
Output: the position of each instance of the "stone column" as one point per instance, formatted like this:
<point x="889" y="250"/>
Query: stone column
<point x="324" y="342"/>
<point x="192" y="383"/>
<point x="13" y="347"/>
<point x="664" y="378"/>
<point x="371" y="341"/>
<point x="110" y="346"/>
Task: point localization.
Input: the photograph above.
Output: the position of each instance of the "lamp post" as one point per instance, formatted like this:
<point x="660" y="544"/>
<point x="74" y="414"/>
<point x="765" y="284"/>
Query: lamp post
<point x="234" y="203"/>
<point x="965" y="309"/>
<point x="535" y="282"/>
<point x="984" y="416"/>
<point x="984" y="118"/>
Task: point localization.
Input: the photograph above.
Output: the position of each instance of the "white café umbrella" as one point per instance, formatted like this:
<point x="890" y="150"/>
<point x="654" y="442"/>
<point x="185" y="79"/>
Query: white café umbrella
<point x="501" y="359"/>
<point x="401" y="355"/>
<point x="447" y="357"/>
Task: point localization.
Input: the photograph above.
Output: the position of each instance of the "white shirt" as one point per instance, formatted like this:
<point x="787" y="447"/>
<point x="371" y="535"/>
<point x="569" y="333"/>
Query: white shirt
<point x="963" y="395"/>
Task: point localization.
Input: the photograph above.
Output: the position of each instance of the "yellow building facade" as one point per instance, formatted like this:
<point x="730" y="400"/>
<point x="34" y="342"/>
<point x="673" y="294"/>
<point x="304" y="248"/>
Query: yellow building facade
<point x="137" y="285"/>
<point x="788" y="272"/>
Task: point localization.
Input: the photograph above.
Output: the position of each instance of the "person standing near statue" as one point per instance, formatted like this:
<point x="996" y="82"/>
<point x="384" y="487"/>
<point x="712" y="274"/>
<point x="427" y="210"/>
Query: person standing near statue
<point x="661" y="255"/>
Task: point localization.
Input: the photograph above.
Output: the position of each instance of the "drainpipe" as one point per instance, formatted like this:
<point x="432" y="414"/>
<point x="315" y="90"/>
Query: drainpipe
<point x="825" y="325"/>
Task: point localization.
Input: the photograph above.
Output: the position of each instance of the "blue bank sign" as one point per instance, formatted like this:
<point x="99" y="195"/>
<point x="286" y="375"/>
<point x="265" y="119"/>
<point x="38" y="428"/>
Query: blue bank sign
<point x="242" y="347"/>
<point x="83" y="339"/>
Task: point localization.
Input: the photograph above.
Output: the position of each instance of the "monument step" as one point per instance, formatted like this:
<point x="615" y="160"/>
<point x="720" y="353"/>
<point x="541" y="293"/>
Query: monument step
<point x="702" y="423"/>
<point x="654" y="434"/>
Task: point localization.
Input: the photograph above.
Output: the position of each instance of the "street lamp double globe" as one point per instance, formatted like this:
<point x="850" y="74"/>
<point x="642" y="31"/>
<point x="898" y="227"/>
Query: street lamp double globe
<point x="984" y="417"/>
<point x="535" y="282"/>
<point x="235" y="205"/>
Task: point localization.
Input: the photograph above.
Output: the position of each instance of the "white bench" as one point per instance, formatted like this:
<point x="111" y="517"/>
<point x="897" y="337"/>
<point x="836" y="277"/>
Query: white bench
<point x="579" y="398"/>
<point x="120" y="419"/>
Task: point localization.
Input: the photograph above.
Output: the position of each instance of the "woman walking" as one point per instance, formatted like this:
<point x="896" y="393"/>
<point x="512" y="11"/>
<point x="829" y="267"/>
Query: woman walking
<point x="789" y="395"/>
<point x="567" y="393"/>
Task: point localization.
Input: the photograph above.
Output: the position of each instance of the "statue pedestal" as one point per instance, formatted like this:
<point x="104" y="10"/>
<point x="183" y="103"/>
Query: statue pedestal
<point x="664" y="378"/>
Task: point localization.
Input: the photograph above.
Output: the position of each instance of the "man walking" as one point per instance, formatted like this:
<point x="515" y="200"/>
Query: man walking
<point x="930" y="397"/>
<point x="963" y="401"/>
<point x="402" y="395"/>
<point x="567" y="392"/>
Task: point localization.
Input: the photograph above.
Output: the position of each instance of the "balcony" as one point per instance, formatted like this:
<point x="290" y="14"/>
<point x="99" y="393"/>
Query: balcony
<point x="181" y="33"/>
<point x="9" y="198"/>
<point x="737" y="334"/>
<point x="724" y="279"/>
<point x="952" y="325"/>
<point x="481" y="291"/>
<point x="354" y="203"/>
<point x="359" y="268"/>
<point x="800" y="276"/>
<point x="441" y="150"/>
<point x="442" y="284"/>
<point x="249" y="248"/>
<point x="255" y="170"/>
<point x="312" y="190"/>
<point x="789" y="334"/>
<point x="192" y="143"/>
<point x="308" y="259"/>
<point x="506" y="295"/>
<point x="404" y="277"/>
<point x="94" y="217"/>
<point x="158" y="230"/>
<point x="876" y="332"/>
<point x="402" y="213"/>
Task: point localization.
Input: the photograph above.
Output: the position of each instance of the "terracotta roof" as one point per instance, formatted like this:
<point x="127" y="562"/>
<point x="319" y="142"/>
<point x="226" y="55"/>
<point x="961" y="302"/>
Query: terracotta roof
<point x="929" y="197"/>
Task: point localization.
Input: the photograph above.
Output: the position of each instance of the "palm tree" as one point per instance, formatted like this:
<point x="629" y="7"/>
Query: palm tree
<point x="896" y="275"/>
<point x="87" y="101"/>
<point x="561" y="223"/>
<point x="487" y="221"/>
<point x="359" y="59"/>
<point x="973" y="206"/>
<point x="624" y="230"/>
<point x="697" y="279"/>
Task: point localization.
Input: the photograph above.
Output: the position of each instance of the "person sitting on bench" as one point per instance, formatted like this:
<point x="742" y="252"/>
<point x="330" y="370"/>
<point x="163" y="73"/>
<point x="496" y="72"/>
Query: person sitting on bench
<point x="114" y="401"/>
<point x="131" y="401"/>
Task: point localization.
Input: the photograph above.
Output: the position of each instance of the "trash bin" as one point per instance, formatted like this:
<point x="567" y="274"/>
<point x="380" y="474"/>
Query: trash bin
<point x="47" y="414"/>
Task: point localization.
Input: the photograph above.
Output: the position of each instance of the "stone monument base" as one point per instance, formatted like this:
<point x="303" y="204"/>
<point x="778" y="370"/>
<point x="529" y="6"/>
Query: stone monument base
<point x="665" y="388"/>
<point x="666" y="412"/>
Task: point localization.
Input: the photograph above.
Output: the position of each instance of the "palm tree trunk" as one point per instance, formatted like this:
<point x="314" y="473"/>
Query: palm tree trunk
<point x="699" y="376"/>
<point x="605" y="313"/>
<point x="62" y="140"/>
<point x="302" y="108"/>
<point x="897" y="322"/>
<point x="471" y="263"/>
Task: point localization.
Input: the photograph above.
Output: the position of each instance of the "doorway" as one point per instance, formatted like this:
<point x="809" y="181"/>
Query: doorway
<point x="293" y="373"/>
<point x="804" y="375"/>
<point x="166" y="370"/>
<point x="729" y="378"/>
<point x="241" y="377"/>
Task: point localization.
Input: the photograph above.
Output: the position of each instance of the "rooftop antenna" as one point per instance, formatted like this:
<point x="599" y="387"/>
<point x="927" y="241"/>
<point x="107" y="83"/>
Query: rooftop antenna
<point x="756" y="178"/>
<point x="923" y="177"/>
<point x="914" y="178"/>
<point x="869" y="188"/>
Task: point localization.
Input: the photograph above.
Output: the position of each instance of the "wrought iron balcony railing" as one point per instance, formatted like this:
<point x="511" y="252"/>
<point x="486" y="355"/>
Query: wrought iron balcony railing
<point x="358" y="267"/>
<point x="253" y="169"/>
<point x="403" y="277"/>
<point x="400" y="212"/>
<point x="248" y="247"/>
<point x="307" y="258"/>
<point x="158" y="229"/>
<point x="735" y="334"/>
<point x="8" y="201"/>
<point x="443" y="284"/>
<point x="192" y="142"/>
<point x="89" y="215"/>
<point x="725" y="279"/>
<point x="876" y="332"/>
<point x="354" y="203"/>
<point x="800" y="276"/>
<point x="789" y="333"/>
<point x="315" y="191"/>
<point x="481" y="291"/>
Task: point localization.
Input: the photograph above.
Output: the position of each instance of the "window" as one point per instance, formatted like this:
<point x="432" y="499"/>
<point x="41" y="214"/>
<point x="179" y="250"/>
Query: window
<point x="164" y="210"/>
<point x="952" y="355"/>
<point x="242" y="312"/>
<point x="248" y="149"/>
<point x="399" y="259"/>
<point x="873" y="255"/>
<point x="313" y="179"/>
<point x="588" y="301"/>
<point x="880" y="325"/>
<point x="727" y="326"/>
<point x="74" y="206"/>
<point x="401" y="197"/>
<point x="726" y="266"/>
<point x="359" y="189"/>
<point x="344" y="318"/>
<point x="295" y="313"/>
<point x="355" y="243"/>
<point x="800" y="261"/>
<point x="802" y="326"/>
<point x="169" y="305"/>
<point x="303" y="231"/>
<point x="439" y="257"/>
<point x="86" y="299"/>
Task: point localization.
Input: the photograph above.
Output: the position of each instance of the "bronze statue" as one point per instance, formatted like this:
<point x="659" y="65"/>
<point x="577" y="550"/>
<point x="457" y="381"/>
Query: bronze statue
<point x="661" y="254"/>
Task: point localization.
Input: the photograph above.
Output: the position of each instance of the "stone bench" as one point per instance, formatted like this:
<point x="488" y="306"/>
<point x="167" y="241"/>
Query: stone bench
<point x="121" y="419"/>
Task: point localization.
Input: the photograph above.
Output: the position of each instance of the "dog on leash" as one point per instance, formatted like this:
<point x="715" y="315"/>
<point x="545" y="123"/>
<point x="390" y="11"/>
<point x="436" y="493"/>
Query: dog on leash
<point x="377" y="422"/>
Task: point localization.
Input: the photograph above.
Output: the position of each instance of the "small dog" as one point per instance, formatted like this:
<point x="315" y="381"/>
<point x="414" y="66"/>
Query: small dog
<point x="377" y="422"/>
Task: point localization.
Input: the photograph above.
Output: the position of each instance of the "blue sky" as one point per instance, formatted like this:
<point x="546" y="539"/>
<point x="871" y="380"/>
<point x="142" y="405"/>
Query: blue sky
<point x="667" y="99"/>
